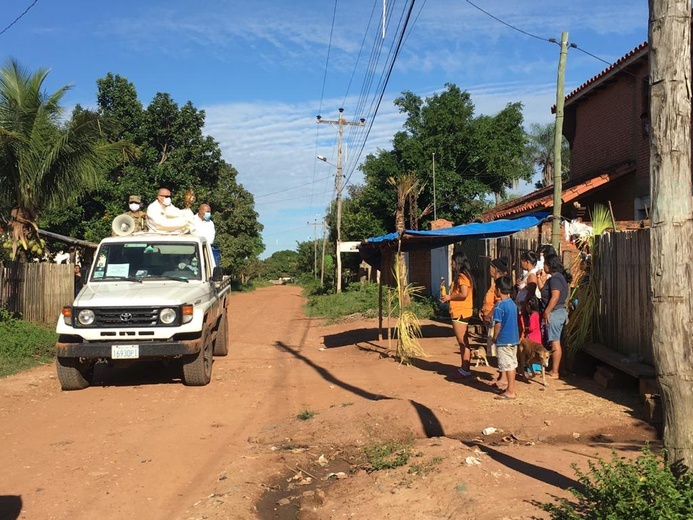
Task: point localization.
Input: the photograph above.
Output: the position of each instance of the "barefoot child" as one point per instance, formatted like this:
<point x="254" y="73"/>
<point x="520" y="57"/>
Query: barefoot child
<point x="507" y="334"/>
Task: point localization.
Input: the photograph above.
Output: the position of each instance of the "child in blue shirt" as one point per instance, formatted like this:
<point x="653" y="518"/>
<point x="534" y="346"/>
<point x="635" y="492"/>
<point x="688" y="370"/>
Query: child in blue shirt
<point x="507" y="334"/>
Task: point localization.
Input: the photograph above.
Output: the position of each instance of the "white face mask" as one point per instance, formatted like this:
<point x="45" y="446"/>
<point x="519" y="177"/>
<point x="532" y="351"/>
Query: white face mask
<point x="134" y="207"/>
<point x="167" y="201"/>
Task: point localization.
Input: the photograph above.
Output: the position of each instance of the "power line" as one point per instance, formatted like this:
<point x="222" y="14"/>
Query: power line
<point x="284" y="190"/>
<point x="507" y="24"/>
<point x="382" y="90"/>
<point x="19" y="17"/>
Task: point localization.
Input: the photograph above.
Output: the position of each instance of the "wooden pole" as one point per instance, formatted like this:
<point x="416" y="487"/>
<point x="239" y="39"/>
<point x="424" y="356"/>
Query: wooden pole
<point x="557" y="141"/>
<point x="671" y="223"/>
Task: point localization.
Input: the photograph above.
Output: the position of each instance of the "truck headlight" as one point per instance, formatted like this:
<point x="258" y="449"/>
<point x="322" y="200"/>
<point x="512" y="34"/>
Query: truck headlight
<point x="86" y="317"/>
<point x="167" y="316"/>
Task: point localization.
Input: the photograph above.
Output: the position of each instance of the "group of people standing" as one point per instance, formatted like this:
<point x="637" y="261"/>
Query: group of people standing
<point x="534" y="307"/>
<point x="161" y="216"/>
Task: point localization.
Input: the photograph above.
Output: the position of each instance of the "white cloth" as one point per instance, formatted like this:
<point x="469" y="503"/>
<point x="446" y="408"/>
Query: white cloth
<point x="168" y="219"/>
<point x="522" y="286"/>
<point x="205" y="228"/>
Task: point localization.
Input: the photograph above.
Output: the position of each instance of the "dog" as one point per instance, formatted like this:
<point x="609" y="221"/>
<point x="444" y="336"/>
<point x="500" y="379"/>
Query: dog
<point x="530" y="352"/>
<point x="479" y="354"/>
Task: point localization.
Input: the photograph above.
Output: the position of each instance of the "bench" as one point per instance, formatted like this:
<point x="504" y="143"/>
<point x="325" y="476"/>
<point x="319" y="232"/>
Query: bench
<point x="619" y="361"/>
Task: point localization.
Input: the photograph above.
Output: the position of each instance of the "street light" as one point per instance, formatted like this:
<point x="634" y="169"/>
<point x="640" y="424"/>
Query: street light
<point x="324" y="159"/>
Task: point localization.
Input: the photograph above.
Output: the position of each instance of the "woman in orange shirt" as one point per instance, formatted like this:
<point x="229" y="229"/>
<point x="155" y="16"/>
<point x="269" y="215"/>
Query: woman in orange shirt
<point x="461" y="309"/>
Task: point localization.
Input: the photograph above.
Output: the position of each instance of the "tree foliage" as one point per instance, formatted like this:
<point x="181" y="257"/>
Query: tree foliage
<point x="174" y="153"/>
<point x="540" y="144"/>
<point x="45" y="163"/>
<point x="475" y="156"/>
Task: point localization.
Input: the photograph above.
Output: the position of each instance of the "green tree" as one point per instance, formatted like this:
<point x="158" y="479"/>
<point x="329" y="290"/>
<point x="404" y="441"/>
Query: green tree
<point x="236" y="221"/>
<point x="474" y="157"/>
<point x="540" y="152"/>
<point x="44" y="163"/>
<point x="281" y="263"/>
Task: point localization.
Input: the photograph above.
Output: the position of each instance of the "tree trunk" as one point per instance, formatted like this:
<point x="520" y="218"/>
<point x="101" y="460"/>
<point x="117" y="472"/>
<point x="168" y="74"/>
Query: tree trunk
<point x="671" y="227"/>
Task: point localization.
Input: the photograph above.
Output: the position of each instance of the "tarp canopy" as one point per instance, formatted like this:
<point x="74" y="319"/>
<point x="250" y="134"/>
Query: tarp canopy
<point x="371" y="248"/>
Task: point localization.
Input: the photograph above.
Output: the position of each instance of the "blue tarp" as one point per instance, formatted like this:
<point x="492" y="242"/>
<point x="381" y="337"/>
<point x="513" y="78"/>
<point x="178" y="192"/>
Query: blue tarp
<point x="412" y="240"/>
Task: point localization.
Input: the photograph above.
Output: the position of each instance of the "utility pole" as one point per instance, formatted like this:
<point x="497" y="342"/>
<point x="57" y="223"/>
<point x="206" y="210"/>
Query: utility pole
<point x="315" y="247"/>
<point x="435" y="214"/>
<point x="341" y="124"/>
<point x="557" y="141"/>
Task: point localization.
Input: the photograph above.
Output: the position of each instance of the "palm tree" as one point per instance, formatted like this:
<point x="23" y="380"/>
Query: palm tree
<point x="540" y="152"/>
<point x="45" y="163"/>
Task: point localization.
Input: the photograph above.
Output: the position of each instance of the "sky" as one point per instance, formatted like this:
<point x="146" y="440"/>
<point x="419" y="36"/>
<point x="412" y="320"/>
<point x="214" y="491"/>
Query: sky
<point x="263" y="70"/>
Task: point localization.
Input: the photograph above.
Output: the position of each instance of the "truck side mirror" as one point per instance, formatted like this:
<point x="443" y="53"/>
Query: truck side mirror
<point x="217" y="274"/>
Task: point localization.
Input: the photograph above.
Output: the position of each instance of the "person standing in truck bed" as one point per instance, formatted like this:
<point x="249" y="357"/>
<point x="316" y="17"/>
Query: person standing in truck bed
<point x="163" y="217"/>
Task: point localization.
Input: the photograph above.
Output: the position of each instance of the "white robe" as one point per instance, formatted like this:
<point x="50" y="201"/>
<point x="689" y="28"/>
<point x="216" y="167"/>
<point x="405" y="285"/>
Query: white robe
<point x="168" y="219"/>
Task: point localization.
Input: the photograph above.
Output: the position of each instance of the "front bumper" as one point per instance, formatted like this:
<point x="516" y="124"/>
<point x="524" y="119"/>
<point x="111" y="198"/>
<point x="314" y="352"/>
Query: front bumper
<point x="147" y="349"/>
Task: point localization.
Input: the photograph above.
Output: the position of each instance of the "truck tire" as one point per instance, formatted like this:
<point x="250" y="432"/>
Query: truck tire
<point x="73" y="374"/>
<point x="221" y="347"/>
<point x="197" y="369"/>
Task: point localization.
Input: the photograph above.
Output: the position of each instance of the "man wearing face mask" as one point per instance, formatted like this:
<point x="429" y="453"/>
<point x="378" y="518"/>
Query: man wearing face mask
<point x="164" y="217"/>
<point x="137" y="213"/>
<point x="203" y="223"/>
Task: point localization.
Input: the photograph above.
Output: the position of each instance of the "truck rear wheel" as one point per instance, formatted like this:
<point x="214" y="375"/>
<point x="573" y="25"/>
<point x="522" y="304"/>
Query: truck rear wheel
<point x="73" y="374"/>
<point x="221" y="347"/>
<point x="197" y="369"/>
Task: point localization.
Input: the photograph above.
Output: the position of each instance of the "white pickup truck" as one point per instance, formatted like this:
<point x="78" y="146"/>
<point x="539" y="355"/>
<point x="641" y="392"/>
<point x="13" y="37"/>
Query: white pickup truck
<point x="148" y="296"/>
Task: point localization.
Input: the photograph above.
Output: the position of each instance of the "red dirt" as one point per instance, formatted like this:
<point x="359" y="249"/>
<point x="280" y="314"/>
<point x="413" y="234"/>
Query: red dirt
<point x="139" y="444"/>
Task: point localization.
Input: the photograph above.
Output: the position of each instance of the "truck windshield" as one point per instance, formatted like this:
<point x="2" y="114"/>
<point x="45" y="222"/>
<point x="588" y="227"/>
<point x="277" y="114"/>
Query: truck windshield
<point x="138" y="261"/>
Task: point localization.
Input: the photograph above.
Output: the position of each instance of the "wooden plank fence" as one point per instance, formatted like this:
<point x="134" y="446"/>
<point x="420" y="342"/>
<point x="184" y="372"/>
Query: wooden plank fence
<point x="622" y="272"/>
<point x="37" y="291"/>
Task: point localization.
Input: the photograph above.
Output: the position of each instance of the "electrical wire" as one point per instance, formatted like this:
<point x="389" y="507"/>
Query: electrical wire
<point x="382" y="88"/>
<point x="19" y="17"/>
<point x="507" y="24"/>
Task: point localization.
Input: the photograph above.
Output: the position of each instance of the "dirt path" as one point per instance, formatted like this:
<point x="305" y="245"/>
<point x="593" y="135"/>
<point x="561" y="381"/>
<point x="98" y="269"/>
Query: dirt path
<point x="139" y="444"/>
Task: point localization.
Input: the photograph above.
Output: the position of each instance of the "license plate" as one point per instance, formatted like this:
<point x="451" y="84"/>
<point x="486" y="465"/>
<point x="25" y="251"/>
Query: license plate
<point x="125" y="351"/>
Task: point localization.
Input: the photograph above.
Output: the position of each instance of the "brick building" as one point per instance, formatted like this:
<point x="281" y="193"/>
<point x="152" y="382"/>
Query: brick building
<point x="607" y="126"/>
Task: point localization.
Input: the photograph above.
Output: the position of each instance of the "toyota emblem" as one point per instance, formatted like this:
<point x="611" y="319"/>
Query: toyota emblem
<point x="125" y="317"/>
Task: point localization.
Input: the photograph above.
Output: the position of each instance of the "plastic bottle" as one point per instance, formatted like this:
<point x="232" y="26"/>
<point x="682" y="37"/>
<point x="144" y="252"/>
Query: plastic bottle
<point x="443" y="287"/>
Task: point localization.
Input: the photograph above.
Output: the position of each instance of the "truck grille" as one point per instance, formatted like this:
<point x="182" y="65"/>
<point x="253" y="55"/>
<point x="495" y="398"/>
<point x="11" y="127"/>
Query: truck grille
<point x="126" y="317"/>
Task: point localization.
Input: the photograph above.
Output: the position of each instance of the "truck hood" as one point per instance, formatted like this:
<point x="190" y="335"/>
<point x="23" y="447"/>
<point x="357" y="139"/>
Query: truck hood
<point x="152" y="293"/>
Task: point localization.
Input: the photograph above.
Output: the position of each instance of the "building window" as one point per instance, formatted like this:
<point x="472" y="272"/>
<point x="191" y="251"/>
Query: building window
<point x="642" y="208"/>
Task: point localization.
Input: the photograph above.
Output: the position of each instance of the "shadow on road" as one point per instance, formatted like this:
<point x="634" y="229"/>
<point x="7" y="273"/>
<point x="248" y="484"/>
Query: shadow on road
<point x="547" y="476"/>
<point x="137" y="374"/>
<point x="10" y="507"/>
<point x="430" y="423"/>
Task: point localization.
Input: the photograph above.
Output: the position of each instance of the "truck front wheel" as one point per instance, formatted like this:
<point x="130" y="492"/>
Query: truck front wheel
<point x="197" y="369"/>
<point x="73" y="374"/>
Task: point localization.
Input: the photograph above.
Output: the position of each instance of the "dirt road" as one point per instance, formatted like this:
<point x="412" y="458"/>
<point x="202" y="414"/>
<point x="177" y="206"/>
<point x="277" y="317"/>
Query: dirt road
<point x="139" y="444"/>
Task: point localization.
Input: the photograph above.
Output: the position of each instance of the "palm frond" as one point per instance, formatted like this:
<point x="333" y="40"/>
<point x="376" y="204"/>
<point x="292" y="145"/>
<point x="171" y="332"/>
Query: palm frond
<point x="408" y="328"/>
<point x="583" y="327"/>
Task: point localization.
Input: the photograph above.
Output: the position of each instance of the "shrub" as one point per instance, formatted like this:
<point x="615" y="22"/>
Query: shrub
<point x="643" y="489"/>
<point x="23" y="344"/>
<point x="357" y="299"/>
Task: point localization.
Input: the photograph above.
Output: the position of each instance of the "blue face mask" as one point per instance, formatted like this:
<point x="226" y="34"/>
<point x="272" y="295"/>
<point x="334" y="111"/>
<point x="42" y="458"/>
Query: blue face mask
<point x="207" y="216"/>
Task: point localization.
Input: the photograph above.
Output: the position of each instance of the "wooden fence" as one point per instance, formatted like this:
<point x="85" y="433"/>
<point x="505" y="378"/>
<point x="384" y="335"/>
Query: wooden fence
<point x="622" y="272"/>
<point x="38" y="291"/>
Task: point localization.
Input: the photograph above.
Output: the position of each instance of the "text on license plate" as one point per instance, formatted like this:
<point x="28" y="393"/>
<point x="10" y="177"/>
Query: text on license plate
<point x="125" y="351"/>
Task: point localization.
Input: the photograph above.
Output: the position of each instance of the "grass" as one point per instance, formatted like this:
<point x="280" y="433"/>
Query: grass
<point x="389" y="454"/>
<point x="424" y="468"/>
<point x="361" y="299"/>
<point x="306" y="414"/>
<point x="23" y="344"/>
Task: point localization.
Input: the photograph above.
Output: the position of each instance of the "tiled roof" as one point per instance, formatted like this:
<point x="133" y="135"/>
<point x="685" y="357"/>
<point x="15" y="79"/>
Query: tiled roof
<point x="543" y="199"/>
<point x="640" y="51"/>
